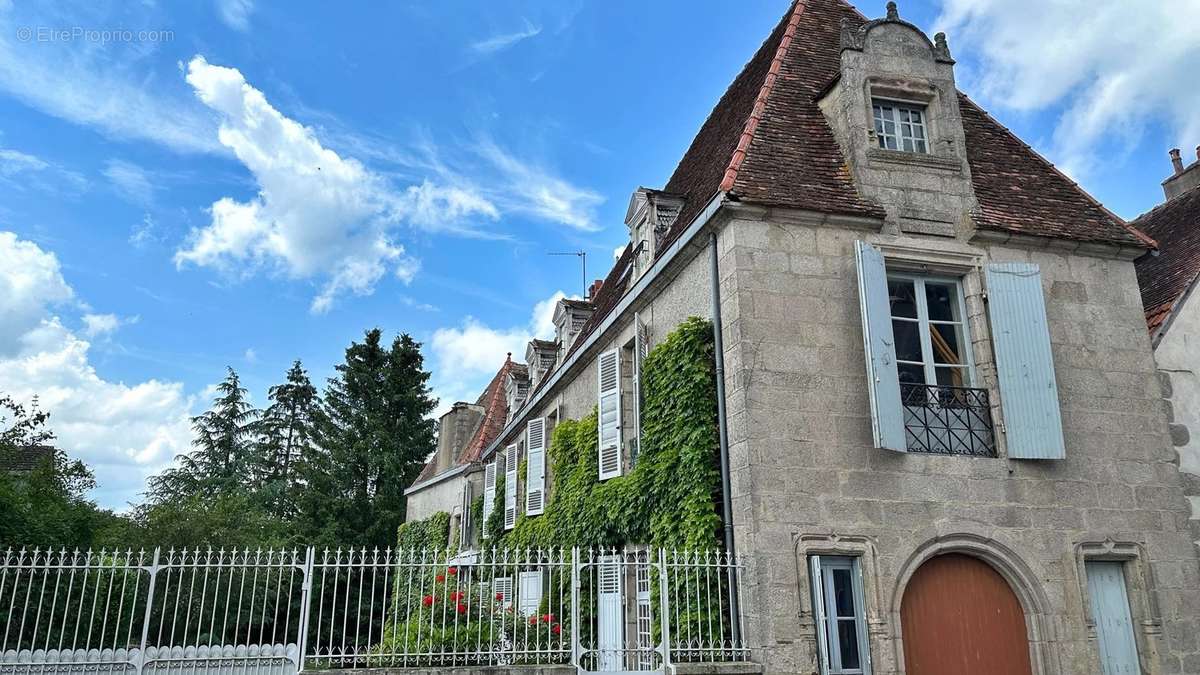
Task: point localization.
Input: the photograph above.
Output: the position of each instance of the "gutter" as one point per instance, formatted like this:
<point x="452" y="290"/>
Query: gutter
<point x="723" y="430"/>
<point x="628" y="300"/>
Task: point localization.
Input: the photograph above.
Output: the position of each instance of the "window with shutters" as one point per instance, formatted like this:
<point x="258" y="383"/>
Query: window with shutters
<point x="489" y="493"/>
<point x="608" y="377"/>
<point x="924" y="393"/>
<point x="840" y="616"/>
<point x="535" y="466"/>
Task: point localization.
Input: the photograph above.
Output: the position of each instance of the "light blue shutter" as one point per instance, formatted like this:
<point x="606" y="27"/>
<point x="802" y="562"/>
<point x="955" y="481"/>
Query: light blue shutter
<point x="608" y="375"/>
<point x="535" y="466"/>
<point x="510" y="487"/>
<point x="883" y="380"/>
<point x="1024" y="364"/>
<point x="1110" y="614"/>
<point x="489" y="494"/>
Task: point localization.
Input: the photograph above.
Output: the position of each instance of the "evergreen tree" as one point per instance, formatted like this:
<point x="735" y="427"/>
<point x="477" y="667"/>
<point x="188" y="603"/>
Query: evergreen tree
<point x="286" y="436"/>
<point x="373" y="431"/>
<point x="223" y="460"/>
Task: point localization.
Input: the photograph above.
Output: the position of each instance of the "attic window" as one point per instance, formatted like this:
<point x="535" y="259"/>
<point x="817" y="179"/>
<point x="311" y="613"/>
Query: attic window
<point x="900" y="126"/>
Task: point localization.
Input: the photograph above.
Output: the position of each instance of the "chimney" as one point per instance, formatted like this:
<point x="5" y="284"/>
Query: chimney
<point x="1176" y="161"/>
<point x="1183" y="178"/>
<point x="594" y="289"/>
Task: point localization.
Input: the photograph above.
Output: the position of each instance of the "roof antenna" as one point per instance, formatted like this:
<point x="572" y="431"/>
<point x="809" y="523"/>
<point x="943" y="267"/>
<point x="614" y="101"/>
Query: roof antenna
<point x="582" y="255"/>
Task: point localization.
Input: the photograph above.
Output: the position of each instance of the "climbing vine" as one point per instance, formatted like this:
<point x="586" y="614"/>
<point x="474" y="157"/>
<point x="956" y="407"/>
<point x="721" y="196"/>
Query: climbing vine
<point x="432" y="533"/>
<point x="669" y="498"/>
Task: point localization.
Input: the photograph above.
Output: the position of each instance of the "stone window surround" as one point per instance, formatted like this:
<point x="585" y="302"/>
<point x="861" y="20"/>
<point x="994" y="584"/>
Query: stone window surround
<point x="966" y="266"/>
<point x="911" y="92"/>
<point x="1139" y="587"/>
<point x="851" y="546"/>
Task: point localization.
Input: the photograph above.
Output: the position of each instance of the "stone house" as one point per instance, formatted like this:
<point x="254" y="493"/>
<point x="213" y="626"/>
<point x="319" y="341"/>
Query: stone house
<point x="944" y="426"/>
<point x="1167" y="277"/>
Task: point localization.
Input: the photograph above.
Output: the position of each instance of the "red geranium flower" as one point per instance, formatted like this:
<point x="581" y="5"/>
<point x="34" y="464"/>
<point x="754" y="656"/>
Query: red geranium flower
<point x="556" y="629"/>
<point x="441" y="578"/>
<point x="462" y="609"/>
<point x="547" y="618"/>
<point x="452" y="571"/>
<point x="456" y="596"/>
<point x="499" y="596"/>
<point x="532" y="620"/>
<point x="427" y="601"/>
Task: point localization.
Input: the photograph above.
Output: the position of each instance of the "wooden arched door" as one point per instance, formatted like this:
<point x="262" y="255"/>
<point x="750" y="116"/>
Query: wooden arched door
<point x="958" y="615"/>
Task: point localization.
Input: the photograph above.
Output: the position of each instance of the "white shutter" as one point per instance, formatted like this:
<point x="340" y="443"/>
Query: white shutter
<point x="609" y="378"/>
<point x="815" y="574"/>
<point x="464" y="521"/>
<point x="610" y="620"/>
<point x="645" y="616"/>
<point x="883" y="380"/>
<point x="503" y="587"/>
<point x="641" y="347"/>
<point x="489" y="493"/>
<point x="1024" y="364"/>
<point x="535" y="466"/>
<point x="510" y="487"/>
<point x="529" y="592"/>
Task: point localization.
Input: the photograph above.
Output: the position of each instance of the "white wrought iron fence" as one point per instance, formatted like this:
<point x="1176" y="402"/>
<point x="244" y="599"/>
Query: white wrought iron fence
<point x="193" y="612"/>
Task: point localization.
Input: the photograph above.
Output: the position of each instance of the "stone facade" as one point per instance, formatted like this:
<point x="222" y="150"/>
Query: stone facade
<point x="1178" y="357"/>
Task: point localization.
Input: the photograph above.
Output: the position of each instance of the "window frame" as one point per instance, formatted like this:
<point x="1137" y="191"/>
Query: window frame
<point x="924" y="329"/>
<point x="821" y="568"/>
<point x="895" y="105"/>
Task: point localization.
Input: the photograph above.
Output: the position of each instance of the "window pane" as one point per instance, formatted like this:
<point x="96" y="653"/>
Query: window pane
<point x="843" y="592"/>
<point x="946" y="339"/>
<point x="942" y="300"/>
<point x="921" y="146"/>
<point x="952" y="377"/>
<point x="908" y="340"/>
<point x="911" y="374"/>
<point x="903" y="298"/>
<point x="848" y="644"/>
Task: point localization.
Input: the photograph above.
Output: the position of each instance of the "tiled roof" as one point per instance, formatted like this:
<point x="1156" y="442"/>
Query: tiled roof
<point x="495" y="414"/>
<point x="1165" y="277"/>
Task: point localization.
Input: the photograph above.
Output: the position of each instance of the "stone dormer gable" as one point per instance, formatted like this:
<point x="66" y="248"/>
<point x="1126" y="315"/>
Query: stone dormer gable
<point x="650" y="216"/>
<point x="894" y="111"/>
<point x="516" y="387"/>
<point x="540" y="356"/>
<point x="569" y="318"/>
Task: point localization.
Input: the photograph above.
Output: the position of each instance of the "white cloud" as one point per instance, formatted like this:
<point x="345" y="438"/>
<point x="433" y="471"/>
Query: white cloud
<point x="465" y="357"/>
<point x="250" y="356"/>
<point x="1115" y="67"/>
<point x="115" y="90"/>
<point x="100" y="324"/>
<point x="20" y="170"/>
<point x="235" y="13"/>
<point x="13" y="162"/>
<point x="618" y="252"/>
<point x="124" y="431"/>
<point x="533" y="190"/>
<point x="130" y="181"/>
<point x="317" y="214"/>
<point x="502" y="41"/>
<point x="144" y="233"/>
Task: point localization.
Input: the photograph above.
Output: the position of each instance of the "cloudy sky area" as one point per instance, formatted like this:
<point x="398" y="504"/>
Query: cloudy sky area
<point x="257" y="183"/>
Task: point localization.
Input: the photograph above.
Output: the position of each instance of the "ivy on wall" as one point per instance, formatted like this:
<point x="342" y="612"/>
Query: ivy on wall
<point x="432" y="534"/>
<point x="670" y="497"/>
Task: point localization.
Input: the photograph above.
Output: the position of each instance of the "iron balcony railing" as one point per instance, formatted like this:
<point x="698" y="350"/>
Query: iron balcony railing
<point x="948" y="420"/>
<point x="238" y="612"/>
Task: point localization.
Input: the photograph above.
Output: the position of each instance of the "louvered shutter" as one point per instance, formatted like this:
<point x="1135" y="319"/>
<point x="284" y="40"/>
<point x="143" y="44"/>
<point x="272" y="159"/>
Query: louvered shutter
<point x="610" y="622"/>
<point x="1024" y="363"/>
<point x="883" y="380"/>
<point x="535" y="467"/>
<point x="464" y="521"/>
<point x="817" y="585"/>
<point x="502" y="591"/>
<point x="641" y="347"/>
<point x="510" y="487"/>
<point x="609" y="377"/>
<point x="489" y="494"/>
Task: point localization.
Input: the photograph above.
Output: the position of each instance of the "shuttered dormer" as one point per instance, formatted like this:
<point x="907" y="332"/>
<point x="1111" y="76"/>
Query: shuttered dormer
<point x="569" y="318"/>
<point x="650" y="215"/>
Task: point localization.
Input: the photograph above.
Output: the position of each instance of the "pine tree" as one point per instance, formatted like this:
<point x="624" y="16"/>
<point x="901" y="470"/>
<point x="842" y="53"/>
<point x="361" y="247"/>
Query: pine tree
<point x="285" y="436"/>
<point x="373" y="431"/>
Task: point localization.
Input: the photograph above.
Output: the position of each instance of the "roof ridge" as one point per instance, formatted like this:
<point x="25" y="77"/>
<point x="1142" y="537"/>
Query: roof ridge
<point x="760" y="101"/>
<point x="1141" y="236"/>
<point x="1186" y="194"/>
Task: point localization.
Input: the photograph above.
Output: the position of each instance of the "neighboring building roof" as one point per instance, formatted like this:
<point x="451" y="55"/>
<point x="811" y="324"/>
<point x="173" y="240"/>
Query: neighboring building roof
<point x="577" y="304"/>
<point x="543" y="344"/>
<point x="25" y="458"/>
<point x="495" y="414"/>
<point x="1165" y="277"/>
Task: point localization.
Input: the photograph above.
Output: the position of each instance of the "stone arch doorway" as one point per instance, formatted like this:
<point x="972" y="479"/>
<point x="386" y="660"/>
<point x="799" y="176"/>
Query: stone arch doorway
<point x="958" y="615"/>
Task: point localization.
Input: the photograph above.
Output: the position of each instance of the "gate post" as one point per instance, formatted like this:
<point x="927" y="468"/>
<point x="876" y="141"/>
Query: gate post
<point x="576" y="629"/>
<point x="305" y="605"/>
<point x="141" y="660"/>
<point x="664" y="606"/>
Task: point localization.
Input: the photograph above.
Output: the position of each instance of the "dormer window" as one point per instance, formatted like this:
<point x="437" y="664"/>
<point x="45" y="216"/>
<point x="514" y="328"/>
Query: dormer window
<point x="900" y="126"/>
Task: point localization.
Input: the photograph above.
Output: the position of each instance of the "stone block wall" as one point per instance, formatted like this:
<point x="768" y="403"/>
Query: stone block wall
<point x="807" y="479"/>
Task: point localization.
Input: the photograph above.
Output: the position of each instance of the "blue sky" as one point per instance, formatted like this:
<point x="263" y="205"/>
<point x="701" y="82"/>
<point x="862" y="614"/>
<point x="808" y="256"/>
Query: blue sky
<point x="247" y="183"/>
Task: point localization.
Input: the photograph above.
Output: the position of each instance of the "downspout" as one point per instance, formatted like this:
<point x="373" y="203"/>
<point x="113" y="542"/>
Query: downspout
<point x="723" y="438"/>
